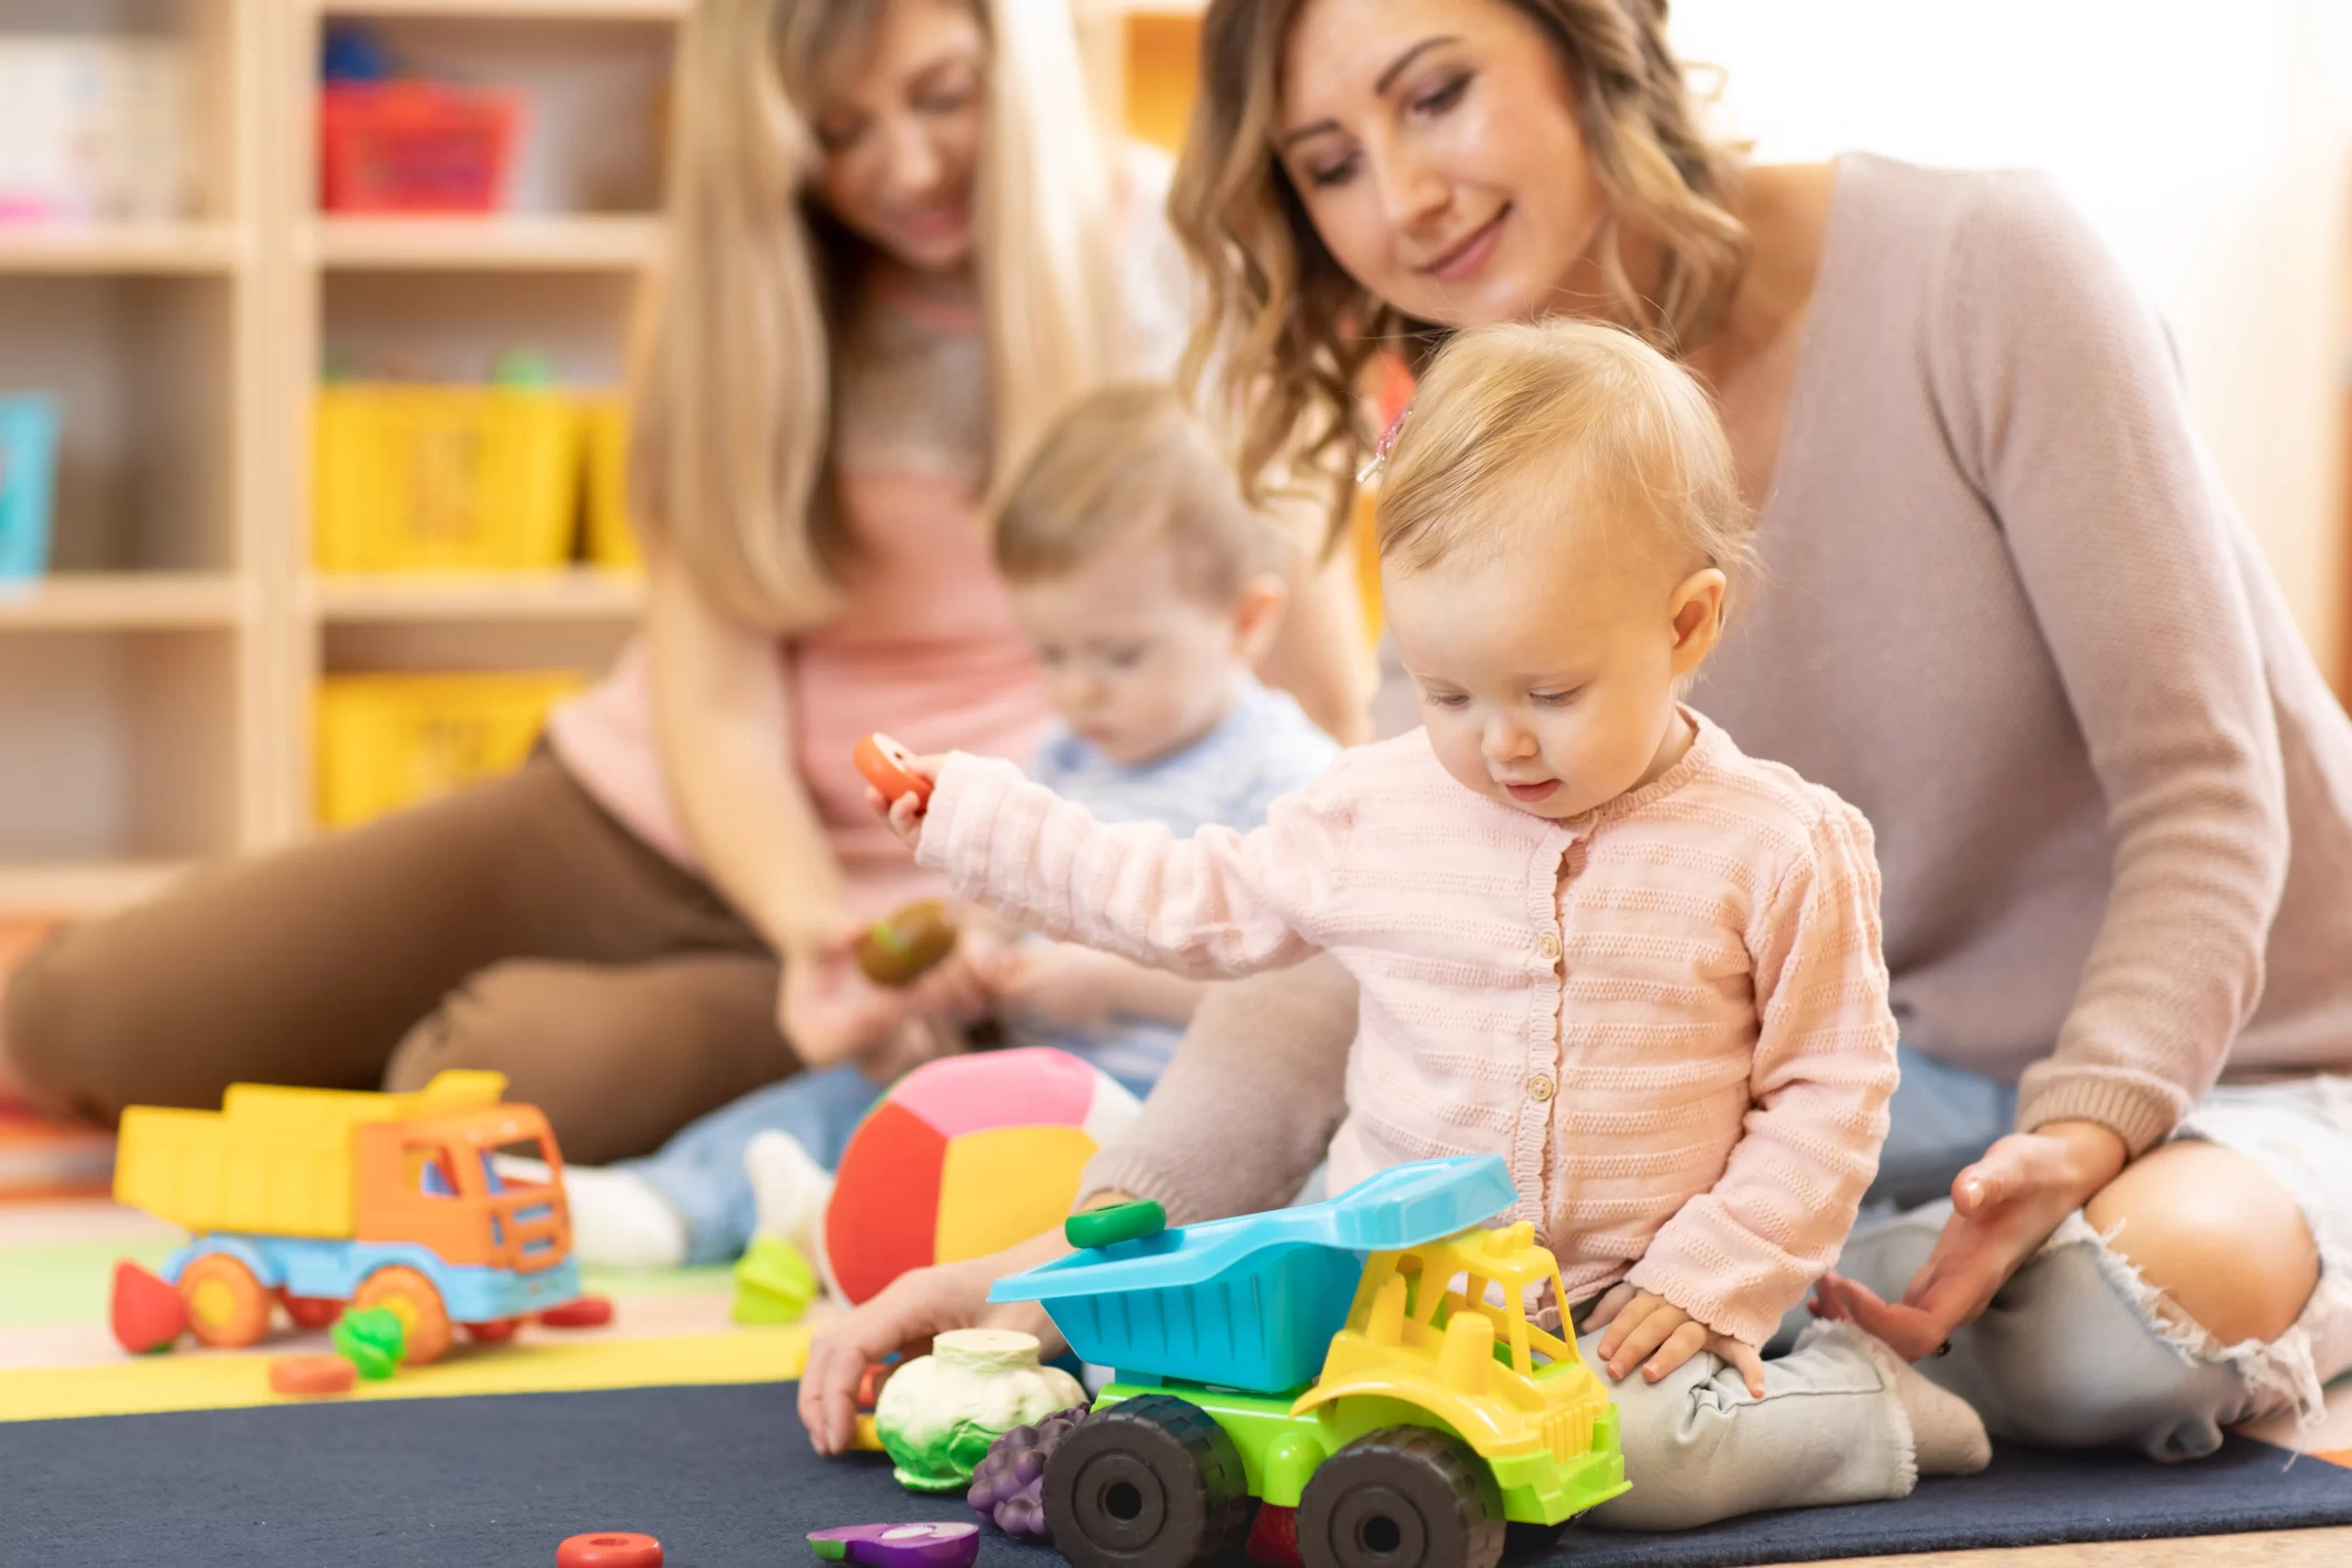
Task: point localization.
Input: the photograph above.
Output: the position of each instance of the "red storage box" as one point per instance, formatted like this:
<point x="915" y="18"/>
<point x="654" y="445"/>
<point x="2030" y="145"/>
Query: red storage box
<point x="415" y="147"/>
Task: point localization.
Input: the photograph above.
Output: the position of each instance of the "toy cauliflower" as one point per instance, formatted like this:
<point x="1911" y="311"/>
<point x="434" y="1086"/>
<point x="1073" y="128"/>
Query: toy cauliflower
<point x="939" y="1415"/>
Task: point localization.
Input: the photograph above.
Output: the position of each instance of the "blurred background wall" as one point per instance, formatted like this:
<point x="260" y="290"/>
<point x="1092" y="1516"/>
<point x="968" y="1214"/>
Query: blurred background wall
<point x="2211" y="144"/>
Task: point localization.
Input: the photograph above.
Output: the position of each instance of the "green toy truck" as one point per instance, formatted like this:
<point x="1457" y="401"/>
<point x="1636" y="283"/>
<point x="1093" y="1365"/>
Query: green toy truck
<point x="1365" y="1368"/>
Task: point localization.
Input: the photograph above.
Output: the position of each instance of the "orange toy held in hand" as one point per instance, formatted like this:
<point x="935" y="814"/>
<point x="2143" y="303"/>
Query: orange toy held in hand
<point x="891" y="768"/>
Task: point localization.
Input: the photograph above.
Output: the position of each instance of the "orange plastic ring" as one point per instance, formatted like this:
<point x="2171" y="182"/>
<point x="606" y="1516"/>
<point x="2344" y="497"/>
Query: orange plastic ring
<point x="609" y="1549"/>
<point x="312" y="1374"/>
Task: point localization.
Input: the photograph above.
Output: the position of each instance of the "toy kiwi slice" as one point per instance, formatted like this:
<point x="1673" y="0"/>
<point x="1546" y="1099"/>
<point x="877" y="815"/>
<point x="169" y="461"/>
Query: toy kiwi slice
<point x="898" y="950"/>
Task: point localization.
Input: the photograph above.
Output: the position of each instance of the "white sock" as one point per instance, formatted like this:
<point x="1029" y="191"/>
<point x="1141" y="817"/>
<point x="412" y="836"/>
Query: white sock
<point x="789" y="1190"/>
<point x="1947" y="1435"/>
<point x="618" y="1220"/>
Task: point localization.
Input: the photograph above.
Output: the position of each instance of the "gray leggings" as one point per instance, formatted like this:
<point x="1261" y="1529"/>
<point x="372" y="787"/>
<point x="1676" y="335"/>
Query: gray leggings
<point x="2073" y="1351"/>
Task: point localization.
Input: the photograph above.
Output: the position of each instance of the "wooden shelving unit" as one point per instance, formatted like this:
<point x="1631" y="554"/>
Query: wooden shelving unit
<point x="129" y="724"/>
<point x="156" y="690"/>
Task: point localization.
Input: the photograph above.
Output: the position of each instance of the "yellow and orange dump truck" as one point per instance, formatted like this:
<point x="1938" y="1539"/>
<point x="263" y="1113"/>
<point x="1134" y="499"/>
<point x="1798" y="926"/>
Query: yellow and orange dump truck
<point x="316" y="1198"/>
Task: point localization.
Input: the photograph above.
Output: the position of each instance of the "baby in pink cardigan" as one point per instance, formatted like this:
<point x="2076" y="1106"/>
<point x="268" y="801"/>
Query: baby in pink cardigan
<point x="1590" y="936"/>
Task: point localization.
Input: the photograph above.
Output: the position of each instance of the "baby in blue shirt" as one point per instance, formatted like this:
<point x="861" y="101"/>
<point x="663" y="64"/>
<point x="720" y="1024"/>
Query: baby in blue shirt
<point x="1149" y="589"/>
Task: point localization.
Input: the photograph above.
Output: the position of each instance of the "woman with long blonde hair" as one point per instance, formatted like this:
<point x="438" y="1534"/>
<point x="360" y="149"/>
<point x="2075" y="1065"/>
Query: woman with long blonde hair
<point x="895" y="247"/>
<point x="2003" y="608"/>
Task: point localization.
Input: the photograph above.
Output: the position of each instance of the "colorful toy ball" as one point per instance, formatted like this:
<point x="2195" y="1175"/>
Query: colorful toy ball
<point x="966" y="1156"/>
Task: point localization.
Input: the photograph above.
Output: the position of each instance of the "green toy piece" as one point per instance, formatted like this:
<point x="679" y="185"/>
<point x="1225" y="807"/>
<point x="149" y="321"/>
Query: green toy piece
<point x="372" y="1341"/>
<point x="1114" y="1223"/>
<point x="773" y="1284"/>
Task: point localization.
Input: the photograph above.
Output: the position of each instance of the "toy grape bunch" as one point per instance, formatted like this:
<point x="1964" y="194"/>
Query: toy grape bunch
<point x="1008" y="1487"/>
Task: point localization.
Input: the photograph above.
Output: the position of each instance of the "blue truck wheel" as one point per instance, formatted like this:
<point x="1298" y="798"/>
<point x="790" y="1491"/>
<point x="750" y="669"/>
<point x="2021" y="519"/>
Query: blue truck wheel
<point x="1149" y="1483"/>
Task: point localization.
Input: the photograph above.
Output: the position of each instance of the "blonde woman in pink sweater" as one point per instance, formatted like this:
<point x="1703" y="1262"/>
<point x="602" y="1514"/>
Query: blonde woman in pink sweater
<point x="1590" y="936"/>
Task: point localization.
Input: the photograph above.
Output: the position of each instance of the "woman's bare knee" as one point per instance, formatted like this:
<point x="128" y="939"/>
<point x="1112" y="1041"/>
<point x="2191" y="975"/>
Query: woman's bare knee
<point x="2223" y="1241"/>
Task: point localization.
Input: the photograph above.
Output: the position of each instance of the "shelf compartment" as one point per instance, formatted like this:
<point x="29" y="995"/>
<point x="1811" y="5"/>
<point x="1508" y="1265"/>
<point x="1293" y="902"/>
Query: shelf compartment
<point x="593" y="82"/>
<point x="123" y="746"/>
<point x="143" y="371"/>
<point x="100" y="600"/>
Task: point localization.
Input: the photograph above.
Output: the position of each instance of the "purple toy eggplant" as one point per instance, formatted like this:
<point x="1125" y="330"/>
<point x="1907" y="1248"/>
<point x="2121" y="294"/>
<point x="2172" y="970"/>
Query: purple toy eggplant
<point x="900" y="1546"/>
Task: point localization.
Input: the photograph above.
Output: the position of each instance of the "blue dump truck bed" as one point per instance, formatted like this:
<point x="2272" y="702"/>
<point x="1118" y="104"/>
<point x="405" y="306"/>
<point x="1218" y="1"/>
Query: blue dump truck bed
<point x="1251" y="1302"/>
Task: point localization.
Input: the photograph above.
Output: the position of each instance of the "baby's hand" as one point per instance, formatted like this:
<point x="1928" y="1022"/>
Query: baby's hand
<point x="904" y="817"/>
<point x="1641" y="1324"/>
<point x="898" y="783"/>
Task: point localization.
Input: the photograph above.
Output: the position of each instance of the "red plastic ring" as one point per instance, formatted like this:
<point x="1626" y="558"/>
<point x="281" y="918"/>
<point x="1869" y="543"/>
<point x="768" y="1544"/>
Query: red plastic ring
<point x="609" y="1549"/>
<point x="586" y="1312"/>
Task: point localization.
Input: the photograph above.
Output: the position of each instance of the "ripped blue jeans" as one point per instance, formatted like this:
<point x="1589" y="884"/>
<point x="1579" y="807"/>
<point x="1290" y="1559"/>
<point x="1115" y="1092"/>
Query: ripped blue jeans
<point x="2076" y="1351"/>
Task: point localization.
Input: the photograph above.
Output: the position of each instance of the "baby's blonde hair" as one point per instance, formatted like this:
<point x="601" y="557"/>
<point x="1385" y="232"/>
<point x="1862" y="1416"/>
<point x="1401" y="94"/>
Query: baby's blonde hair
<point x="1563" y="416"/>
<point x="1126" y="466"/>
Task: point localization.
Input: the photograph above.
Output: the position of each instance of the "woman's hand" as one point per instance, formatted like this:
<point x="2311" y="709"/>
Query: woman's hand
<point x="2004" y="1208"/>
<point x="903" y="1319"/>
<point x="1642" y="1324"/>
<point x="829" y="1012"/>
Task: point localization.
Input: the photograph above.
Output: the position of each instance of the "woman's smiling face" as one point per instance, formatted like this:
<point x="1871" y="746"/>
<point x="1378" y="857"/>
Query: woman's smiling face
<point x="898" y="128"/>
<point x="1436" y="148"/>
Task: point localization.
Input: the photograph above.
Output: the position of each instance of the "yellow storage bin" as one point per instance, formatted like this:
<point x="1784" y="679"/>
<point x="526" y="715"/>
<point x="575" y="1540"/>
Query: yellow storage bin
<point x="445" y="479"/>
<point x="612" y="542"/>
<point x="388" y="742"/>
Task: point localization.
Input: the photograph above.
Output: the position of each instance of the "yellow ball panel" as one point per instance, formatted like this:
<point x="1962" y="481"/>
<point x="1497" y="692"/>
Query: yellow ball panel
<point x="1005" y="1185"/>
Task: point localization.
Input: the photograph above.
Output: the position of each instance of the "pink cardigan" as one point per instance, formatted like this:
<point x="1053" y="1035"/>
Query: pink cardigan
<point x="1669" y="1015"/>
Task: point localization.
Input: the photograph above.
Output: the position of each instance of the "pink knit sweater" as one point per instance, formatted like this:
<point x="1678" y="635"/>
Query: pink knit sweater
<point x="1669" y="1015"/>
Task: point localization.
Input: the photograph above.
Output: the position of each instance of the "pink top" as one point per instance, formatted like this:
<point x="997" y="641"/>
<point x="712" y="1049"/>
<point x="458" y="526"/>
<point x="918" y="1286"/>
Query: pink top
<point x="925" y="645"/>
<point x="925" y="648"/>
<point x="1669" y="1015"/>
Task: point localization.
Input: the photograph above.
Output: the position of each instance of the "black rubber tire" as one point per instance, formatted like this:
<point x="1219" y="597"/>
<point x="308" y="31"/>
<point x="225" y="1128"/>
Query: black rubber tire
<point x="1402" y="1497"/>
<point x="1150" y="1482"/>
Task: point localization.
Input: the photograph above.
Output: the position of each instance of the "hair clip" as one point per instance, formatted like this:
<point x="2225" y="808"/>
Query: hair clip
<point x="1385" y="445"/>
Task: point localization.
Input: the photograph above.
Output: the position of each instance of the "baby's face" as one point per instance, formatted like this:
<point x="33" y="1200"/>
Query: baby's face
<point x="1137" y="667"/>
<point x="1546" y="671"/>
